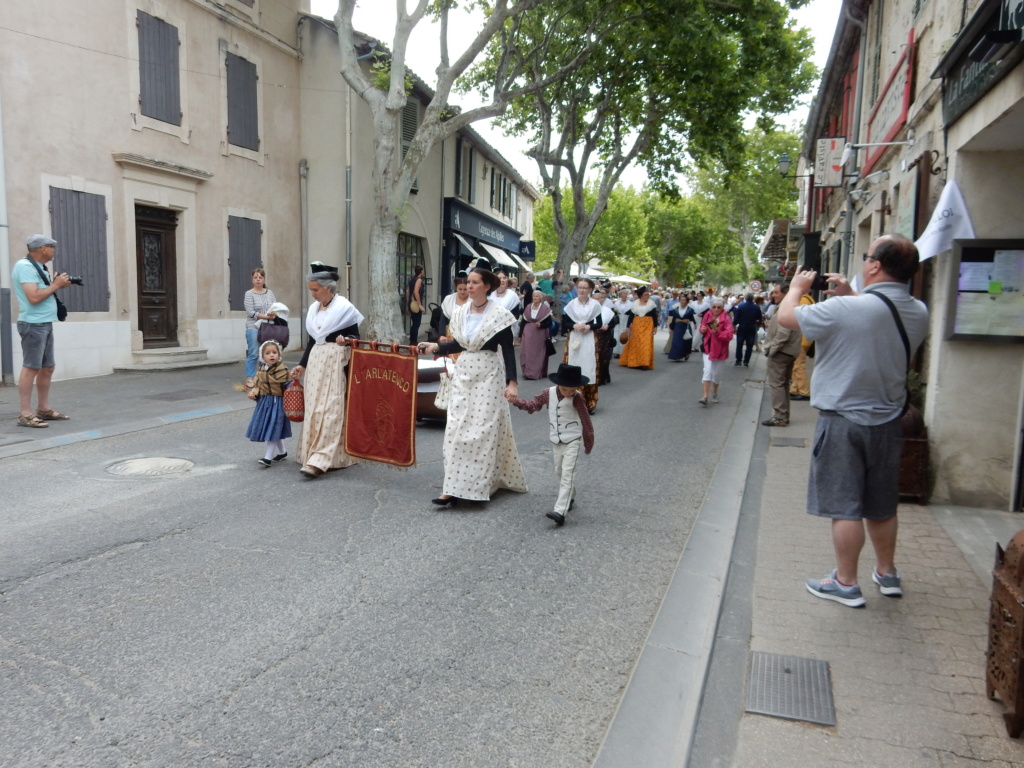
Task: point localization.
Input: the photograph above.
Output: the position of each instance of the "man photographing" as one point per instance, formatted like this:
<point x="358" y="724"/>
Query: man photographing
<point x="859" y="389"/>
<point x="37" y="312"/>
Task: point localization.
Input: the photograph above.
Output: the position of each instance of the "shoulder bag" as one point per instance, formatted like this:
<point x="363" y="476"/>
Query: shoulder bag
<point x="903" y="337"/>
<point x="62" y="311"/>
<point x="444" y="383"/>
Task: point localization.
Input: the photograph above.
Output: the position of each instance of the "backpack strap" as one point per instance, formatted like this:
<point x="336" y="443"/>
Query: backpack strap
<point x="903" y="337"/>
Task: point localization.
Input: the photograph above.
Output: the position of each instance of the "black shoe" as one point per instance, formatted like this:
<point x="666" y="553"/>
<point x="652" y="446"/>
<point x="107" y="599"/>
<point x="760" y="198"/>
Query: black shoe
<point x="571" y="505"/>
<point x="591" y="411"/>
<point x="451" y="501"/>
<point x="281" y="456"/>
<point x="559" y="519"/>
<point x="799" y="397"/>
<point x="737" y="363"/>
<point x="264" y="463"/>
<point x="746" y="365"/>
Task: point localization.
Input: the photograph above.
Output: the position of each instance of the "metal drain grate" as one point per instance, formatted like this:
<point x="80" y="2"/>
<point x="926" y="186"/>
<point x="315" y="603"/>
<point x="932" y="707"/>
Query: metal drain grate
<point x="150" y="467"/>
<point x="791" y="688"/>
<point x="789" y="442"/>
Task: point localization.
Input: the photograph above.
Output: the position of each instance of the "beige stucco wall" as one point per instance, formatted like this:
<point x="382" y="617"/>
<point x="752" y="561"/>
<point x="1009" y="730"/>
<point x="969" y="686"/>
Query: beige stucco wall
<point x="70" y="90"/>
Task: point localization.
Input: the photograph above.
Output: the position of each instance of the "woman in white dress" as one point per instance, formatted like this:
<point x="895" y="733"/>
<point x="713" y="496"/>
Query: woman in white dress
<point x="622" y="305"/>
<point x="584" y="313"/>
<point x="452" y="302"/>
<point x="480" y="454"/>
<point x="331" y="320"/>
<point x="507" y="297"/>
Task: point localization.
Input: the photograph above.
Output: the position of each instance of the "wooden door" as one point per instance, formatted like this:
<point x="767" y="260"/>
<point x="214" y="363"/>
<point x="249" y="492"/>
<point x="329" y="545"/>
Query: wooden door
<point x="157" y="276"/>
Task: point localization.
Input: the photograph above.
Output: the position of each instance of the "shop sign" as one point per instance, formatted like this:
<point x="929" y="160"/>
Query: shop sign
<point x="890" y="111"/>
<point x="827" y="169"/>
<point x="906" y="208"/>
<point x="466" y="220"/>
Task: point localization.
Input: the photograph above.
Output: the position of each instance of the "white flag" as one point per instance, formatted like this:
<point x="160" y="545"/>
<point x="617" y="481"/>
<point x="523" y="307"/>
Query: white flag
<point x="950" y="221"/>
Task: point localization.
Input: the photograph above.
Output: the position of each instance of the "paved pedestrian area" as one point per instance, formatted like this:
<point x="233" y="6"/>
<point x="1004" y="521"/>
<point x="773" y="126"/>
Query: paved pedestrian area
<point x="908" y="674"/>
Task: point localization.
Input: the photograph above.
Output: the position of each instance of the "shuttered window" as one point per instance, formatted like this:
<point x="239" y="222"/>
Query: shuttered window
<point x="245" y="253"/>
<point x="78" y="221"/>
<point x="459" y="186"/>
<point x="410" y="122"/>
<point x="243" y="114"/>
<point x="159" y="73"/>
<point x="247" y="2"/>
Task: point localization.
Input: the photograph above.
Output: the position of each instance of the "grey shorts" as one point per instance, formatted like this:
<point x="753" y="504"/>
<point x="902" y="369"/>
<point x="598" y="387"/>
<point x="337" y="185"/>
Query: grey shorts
<point x="36" y="345"/>
<point x="854" y="469"/>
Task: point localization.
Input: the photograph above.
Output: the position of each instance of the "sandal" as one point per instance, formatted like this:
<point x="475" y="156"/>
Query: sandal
<point x="51" y="415"/>
<point x="31" y="421"/>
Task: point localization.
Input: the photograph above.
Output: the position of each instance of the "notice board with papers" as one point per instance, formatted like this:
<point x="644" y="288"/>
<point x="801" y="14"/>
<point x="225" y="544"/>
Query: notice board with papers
<point x="988" y="289"/>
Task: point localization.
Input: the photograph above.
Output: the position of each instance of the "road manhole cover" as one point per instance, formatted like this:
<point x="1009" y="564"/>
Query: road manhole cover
<point x="151" y="467"/>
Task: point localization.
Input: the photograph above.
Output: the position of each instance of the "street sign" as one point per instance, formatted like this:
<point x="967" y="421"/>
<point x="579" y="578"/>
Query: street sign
<point x="755" y="285"/>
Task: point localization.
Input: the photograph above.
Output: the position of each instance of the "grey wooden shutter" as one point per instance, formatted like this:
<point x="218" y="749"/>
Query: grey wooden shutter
<point x="472" y="175"/>
<point x="78" y="221"/>
<point x="159" y="75"/>
<point x="243" y="115"/>
<point x="410" y="122"/>
<point x="459" y="186"/>
<point x="245" y="253"/>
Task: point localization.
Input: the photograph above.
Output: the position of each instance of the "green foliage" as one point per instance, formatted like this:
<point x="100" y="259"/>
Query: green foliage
<point x="380" y="73"/>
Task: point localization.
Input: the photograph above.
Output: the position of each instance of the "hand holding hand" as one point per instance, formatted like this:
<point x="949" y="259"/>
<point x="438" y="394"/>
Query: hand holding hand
<point x="512" y="391"/>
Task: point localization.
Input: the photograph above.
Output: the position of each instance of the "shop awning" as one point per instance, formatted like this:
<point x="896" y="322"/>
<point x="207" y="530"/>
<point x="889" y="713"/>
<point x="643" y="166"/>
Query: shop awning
<point x="499" y="255"/>
<point x="469" y="247"/>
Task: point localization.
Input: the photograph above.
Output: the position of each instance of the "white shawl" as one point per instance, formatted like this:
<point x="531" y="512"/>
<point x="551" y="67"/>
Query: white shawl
<point x="339" y="314"/>
<point x="582" y="349"/>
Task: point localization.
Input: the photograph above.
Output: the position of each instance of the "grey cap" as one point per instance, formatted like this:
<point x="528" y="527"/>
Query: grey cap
<point x="35" y="242"/>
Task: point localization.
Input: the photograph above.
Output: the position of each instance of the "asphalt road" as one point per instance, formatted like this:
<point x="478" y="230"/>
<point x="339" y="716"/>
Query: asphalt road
<point x="233" y="616"/>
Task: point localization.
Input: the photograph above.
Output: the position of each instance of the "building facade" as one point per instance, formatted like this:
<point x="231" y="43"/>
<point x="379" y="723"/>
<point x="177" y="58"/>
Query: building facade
<point x="172" y="146"/>
<point x="929" y="93"/>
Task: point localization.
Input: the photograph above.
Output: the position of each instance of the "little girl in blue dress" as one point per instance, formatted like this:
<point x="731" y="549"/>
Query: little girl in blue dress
<point x="268" y="423"/>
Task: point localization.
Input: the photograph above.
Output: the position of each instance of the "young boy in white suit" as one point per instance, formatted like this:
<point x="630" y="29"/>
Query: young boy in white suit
<point x="570" y="427"/>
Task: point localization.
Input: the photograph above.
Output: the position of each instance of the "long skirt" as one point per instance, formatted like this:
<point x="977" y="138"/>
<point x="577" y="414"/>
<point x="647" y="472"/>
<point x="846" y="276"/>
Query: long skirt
<point x="681" y="348"/>
<point x="590" y="391"/>
<point x="605" y="343"/>
<point x="268" y="421"/>
<point x="533" y="353"/>
<point x="480" y="454"/>
<point x="639" y="350"/>
<point x="322" y="442"/>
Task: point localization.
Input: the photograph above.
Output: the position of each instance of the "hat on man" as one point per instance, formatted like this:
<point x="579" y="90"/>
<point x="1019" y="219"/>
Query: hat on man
<point x="569" y="376"/>
<point x="35" y="242"/>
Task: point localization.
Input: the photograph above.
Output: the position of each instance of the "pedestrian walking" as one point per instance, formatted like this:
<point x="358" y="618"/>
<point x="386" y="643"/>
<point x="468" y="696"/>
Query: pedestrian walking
<point x="257" y="302"/>
<point x="480" y="454"/>
<point x="585" y="314"/>
<point x="864" y="343"/>
<point x="268" y="423"/>
<point x="716" y="332"/>
<point x="570" y="425"/>
<point x="746" y="318"/>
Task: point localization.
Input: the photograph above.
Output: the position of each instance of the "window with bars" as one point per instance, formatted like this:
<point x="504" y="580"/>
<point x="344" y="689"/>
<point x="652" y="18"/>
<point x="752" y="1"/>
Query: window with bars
<point x="159" y="70"/>
<point x="243" y="108"/>
<point x="245" y="253"/>
<point x="78" y="221"/>
<point x="410" y="255"/>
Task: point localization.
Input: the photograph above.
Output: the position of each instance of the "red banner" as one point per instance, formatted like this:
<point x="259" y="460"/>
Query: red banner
<point x="380" y="416"/>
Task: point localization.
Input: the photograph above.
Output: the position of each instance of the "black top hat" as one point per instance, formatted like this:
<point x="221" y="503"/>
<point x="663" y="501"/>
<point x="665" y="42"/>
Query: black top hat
<point x="569" y="376"/>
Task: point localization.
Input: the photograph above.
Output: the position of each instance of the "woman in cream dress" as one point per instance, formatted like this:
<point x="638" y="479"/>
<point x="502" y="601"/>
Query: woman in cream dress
<point x="584" y="312"/>
<point x="331" y="320"/>
<point x="480" y="454"/>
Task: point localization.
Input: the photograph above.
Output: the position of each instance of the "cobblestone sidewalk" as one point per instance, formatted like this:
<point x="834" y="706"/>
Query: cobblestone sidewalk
<point x="908" y="674"/>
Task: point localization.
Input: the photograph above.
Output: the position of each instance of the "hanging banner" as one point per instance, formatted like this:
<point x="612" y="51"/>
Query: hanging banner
<point x="950" y="221"/>
<point x="380" y="413"/>
<point x="828" y="162"/>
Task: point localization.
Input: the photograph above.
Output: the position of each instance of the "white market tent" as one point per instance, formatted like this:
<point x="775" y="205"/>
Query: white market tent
<point x="628" y="279"/>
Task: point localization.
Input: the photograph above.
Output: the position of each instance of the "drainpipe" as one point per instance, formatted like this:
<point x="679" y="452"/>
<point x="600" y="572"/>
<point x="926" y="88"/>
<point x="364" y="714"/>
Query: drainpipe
<point x="6" y="353"/>
<point x="303" y="242"/>
<point x="855" y="138"/>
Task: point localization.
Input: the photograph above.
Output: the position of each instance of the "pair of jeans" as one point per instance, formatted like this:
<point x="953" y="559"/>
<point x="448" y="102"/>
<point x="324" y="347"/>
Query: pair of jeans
<point x="251" y="349"/>
<point x="415" y="318"/>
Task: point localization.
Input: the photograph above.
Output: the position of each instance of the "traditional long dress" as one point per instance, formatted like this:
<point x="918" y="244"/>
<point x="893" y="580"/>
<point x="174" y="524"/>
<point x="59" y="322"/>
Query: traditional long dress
<point x="681" y="316"/>
<point x="480" y="454"/>
<point x="621" y="310"/>
<point x="639" y="350"/>
<point x="322" y="442"/>
<point x="448" y="307"/>
<point x="581" y="346"/>
<point x="605" y="342"/>
<point x="533" y="354"/>
<point x="510" y="301"/>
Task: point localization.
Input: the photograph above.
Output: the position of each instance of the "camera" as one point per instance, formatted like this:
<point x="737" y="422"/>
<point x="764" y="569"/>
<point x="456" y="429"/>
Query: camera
<point x="76" y="280"/>
<point x="820" y="283"/>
